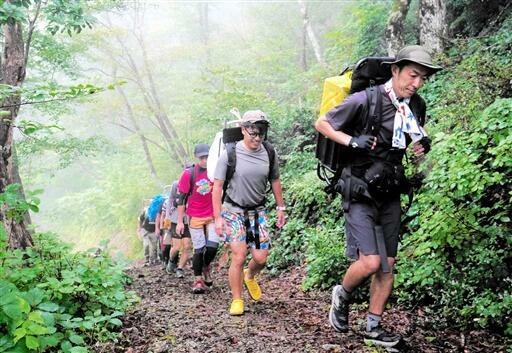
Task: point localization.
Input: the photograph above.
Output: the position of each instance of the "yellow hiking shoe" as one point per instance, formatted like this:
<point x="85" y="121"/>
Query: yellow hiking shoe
<point x="237" y="307"/>
<point x="252" y="286"/>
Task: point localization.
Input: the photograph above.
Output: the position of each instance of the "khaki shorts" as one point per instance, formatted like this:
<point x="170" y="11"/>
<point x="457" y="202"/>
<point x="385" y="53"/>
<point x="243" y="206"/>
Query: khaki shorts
<point x="202" y="232"/>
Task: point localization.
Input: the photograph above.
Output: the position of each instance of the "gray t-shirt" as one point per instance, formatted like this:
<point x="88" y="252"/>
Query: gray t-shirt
<point x="249" y="183"/>
<point x="171" y="211"/>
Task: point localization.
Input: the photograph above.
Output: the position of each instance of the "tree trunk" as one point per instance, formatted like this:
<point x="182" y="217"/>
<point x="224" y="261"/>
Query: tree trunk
<point x="13" y="74"/>
<point x="16" y="178"/>
<point x="311" y="34"/>
<point x="395" y="27"/>
<point x="162" y="115"/>
<point x="141" y="136"/>
<point x="433" y="25"/>
<point x="304" y="49"/>
<point x="150" y="96"/>
<point x="202" y="7"/>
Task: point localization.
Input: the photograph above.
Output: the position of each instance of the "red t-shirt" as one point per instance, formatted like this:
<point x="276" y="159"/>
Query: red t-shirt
<point x="199" y="202"/>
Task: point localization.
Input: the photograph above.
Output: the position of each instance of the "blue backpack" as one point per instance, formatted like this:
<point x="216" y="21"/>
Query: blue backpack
<point x="154" y="207"/>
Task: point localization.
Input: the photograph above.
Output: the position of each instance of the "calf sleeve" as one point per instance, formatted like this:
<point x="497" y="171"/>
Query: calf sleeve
<point x="165" y="254"/>
<point x="209" y="255"/>
<point x="198" y="261"/>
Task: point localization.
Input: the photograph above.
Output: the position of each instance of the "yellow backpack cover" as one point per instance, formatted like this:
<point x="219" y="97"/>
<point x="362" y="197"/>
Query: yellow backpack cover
<point x="336" y="89"/>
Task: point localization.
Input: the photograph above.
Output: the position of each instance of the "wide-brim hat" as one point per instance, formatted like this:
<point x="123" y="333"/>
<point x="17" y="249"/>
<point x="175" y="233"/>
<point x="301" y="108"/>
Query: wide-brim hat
<point x="416" y="54"/>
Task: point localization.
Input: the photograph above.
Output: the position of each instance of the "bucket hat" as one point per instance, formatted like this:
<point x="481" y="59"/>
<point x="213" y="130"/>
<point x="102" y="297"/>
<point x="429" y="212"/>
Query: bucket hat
<point x="416" y="54"/>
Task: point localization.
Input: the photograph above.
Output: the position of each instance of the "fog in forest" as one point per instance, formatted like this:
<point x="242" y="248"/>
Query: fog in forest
<point x="171" y="71"/>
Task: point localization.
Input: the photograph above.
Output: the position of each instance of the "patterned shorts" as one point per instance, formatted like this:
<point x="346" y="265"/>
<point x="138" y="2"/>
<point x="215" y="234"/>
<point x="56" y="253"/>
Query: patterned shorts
<point x="235" y="230"/>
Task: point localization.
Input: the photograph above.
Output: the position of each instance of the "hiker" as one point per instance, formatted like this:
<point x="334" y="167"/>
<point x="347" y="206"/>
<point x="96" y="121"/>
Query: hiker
<point x="146" y="229"/>
<point x="372" y="221"/>
<point x="195" y="194"/>
<point x="162" y="229"/>
<point x="242" y="217"/>
<point x="179" y="253"/>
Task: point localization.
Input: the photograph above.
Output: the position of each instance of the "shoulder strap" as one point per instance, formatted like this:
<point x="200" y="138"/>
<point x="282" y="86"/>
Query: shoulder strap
<point x="271" y="158"/>
<point x="231" y="152"/>
<point x="192" y="180"/>
<point x="374" y="118"/>
<point x="418" y="108"/>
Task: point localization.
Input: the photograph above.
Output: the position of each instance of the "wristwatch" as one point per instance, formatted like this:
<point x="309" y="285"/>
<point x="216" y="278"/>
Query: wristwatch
<point x="281" y="208"/>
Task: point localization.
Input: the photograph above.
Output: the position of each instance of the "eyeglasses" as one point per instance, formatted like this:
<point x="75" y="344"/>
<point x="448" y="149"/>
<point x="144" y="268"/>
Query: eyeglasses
<point x="255" y="134"/>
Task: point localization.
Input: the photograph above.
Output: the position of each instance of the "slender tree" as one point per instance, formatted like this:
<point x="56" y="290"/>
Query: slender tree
<point x="395" y="27"/>
<point x="16" y="49"/>
<point x="433" y="24"/>
<point x="308" y="29"/>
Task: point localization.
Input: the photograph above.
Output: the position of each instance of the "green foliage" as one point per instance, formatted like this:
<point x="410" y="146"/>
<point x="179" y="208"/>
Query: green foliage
<point x="13" y="11"/>
<point x="361" y="34"/>
<point x="456" y="256"/>
<point x="325" y="261"/>
<point x="470" y="17"/>
<point x="15" y="204"/>
<point x="53" y="299"/>
<point x="461" y="226"/>
<point x="66" y="15"/>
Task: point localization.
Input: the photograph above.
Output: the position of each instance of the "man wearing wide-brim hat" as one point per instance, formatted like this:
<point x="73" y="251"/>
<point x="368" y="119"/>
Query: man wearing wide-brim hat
<point x="372" y="217"/>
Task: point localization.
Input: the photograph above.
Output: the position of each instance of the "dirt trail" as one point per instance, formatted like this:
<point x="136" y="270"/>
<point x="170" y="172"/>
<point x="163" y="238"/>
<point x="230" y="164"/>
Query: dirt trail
<point x="171" y="319"/>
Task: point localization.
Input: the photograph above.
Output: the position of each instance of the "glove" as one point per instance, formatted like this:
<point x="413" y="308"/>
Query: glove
<point x="363" y="142"/>
<point x="425" y="143"/>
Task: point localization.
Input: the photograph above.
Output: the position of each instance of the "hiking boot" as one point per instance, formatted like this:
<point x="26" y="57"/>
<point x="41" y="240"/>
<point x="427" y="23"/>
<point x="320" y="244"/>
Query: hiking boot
<point x="252" y="286"/>
<point x="207" y="276"/>
<point x="338" y="315"/>
<point x="237" y="307"/>
<point x="198" y="287"/>
<point x="180" y="273"/>
<point x="171" y="267"/>
<point x="380" y="337"/>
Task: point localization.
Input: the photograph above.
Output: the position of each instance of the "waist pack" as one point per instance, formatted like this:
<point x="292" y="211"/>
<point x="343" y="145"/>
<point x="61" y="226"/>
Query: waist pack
<point x="386" y="179"/>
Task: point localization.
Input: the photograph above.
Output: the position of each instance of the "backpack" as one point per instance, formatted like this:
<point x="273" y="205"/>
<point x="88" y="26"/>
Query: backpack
<point x="366" y="74"/>
<point x="147" y="225"/>
<point x="154" y="207"/>
<point x="230" y="137"/>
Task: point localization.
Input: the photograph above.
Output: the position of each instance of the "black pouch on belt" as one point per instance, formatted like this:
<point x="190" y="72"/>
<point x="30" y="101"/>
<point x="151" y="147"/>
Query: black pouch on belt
<point x="385" y="179"/>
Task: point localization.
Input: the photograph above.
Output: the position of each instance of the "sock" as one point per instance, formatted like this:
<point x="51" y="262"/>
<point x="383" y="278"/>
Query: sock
<point x="209" y="255"/>
<point x="345" y="293"/>
<point x="372" y="321"/>
<point x="197" y="264"/>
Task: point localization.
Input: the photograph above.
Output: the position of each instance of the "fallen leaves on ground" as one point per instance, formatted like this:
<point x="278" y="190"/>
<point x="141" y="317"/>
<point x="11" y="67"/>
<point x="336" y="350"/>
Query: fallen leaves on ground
<point x="170" y="318"/>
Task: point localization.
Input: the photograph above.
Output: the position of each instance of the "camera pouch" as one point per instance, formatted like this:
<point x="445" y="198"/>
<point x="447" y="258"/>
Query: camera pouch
<point x="386" y="179"/>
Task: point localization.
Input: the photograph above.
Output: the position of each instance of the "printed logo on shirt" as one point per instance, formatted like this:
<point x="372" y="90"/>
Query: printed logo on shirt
<point x="203" y="186"/>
